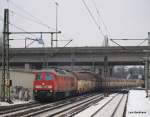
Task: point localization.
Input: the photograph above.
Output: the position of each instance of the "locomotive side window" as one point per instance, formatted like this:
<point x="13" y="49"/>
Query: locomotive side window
<point x="38" y="77"/>
<point x="60" y="72"/>
<point x="48" y="77"/>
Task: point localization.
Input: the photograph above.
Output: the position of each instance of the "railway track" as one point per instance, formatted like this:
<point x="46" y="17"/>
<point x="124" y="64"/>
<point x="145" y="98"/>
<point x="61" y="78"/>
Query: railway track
<point x="72" y="109"/>
<point x="38" y="109"/>
<point x="17" y="107"/>
<point x="112" y="108"/>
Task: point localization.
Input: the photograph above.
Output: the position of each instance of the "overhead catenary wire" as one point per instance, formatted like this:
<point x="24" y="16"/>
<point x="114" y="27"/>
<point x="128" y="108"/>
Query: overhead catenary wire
<point x="20" y="29"/>
<point x="30" y="19"/>
<point x="29" y="14"/>
<point x="69" y="40"/>
<point x="141" y="43"/>
<point x="118" y="44"/>
<point x="26" y="15"/>
<point x="68" y="43"/>
<point x="30" y="34"/>
<point x="134" y="40"/>
<point x="35" y="20"/>
<point x="93" y="18"/>
<point x="38" y="21"/>
<point x="127" y="49"/>
<point x="130" y="39"/>
<point x="17" y="27"/>
<point x="100" y="17"/>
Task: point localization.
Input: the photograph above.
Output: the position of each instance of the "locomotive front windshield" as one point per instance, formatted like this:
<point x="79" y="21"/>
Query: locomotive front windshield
<point x="43" y="76"/>
<point x="38" y="77"/>
<point x="48" y="77"/>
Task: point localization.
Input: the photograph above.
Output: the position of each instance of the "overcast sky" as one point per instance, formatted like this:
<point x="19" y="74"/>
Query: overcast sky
<point x="123" y="18"/>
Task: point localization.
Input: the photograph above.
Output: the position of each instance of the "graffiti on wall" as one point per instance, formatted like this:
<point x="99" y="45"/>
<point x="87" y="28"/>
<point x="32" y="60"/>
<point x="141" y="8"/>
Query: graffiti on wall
<point x="21" y="93"/>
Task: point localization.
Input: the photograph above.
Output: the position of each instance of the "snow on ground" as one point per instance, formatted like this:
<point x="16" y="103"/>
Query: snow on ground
<point x="14" y="103"/>
<point x="92" y="109"/>
<point x="138" y="105"/>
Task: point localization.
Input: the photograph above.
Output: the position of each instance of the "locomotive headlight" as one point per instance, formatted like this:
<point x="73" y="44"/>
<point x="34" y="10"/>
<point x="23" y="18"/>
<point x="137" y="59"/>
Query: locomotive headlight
<point x="50" y="91"/>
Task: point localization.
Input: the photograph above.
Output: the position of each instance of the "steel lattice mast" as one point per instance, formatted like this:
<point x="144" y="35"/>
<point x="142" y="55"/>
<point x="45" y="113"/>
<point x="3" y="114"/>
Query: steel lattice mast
<point x="5" y="92"/>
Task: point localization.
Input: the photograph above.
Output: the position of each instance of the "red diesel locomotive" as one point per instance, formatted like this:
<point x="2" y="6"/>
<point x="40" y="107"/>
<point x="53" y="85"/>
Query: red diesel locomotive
<point x="54" y="83"/>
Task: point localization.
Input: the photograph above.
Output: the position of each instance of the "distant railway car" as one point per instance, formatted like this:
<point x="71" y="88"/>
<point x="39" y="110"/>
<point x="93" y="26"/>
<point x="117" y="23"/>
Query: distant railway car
<point x="86" y="82"/>
<point x="54" y="83"/>
<point x="115" y="83"/>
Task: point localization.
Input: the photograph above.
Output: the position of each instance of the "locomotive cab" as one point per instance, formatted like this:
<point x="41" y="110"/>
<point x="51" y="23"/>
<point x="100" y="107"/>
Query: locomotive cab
<point x="43" y="85"/>
<point x="54" y="84"/>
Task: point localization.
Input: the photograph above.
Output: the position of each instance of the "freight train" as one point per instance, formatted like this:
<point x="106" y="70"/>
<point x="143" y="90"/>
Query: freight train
<point x="58" y="83"/>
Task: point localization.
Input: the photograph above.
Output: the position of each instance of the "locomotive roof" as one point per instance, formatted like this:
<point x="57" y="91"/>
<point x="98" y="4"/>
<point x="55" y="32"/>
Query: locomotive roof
<point x="56" y="71"/>
<point x="82" y="74"/>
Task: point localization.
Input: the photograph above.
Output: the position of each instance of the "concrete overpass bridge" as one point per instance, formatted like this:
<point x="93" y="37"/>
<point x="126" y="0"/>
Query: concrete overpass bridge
<point x="74" y="57"/>
<point x="80" y="56"/>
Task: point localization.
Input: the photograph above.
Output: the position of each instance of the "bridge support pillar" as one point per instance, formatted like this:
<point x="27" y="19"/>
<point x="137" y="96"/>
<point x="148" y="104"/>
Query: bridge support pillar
<point x="147" y="78"/>
<point x="27" y="66"/>
<point x="110" y="70"/>
<point x="100" y="71"/>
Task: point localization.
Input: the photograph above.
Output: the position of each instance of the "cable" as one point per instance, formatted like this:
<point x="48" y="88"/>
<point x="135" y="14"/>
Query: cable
<point x="21" y="30"/>
<point x="134" y="40"/>
<point x="123" y="47"/>
<point x="93" y="17"/>
<point x="18" y="27"/>
<point x="141" y="42"/>
<point x="30" y="43"/>
<point x="68" y="43"/>
<point x="100" y="17"/>
<point x="118" y="44"/>
<point x="26" y="12"/>
<point x="31" y="20"/>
